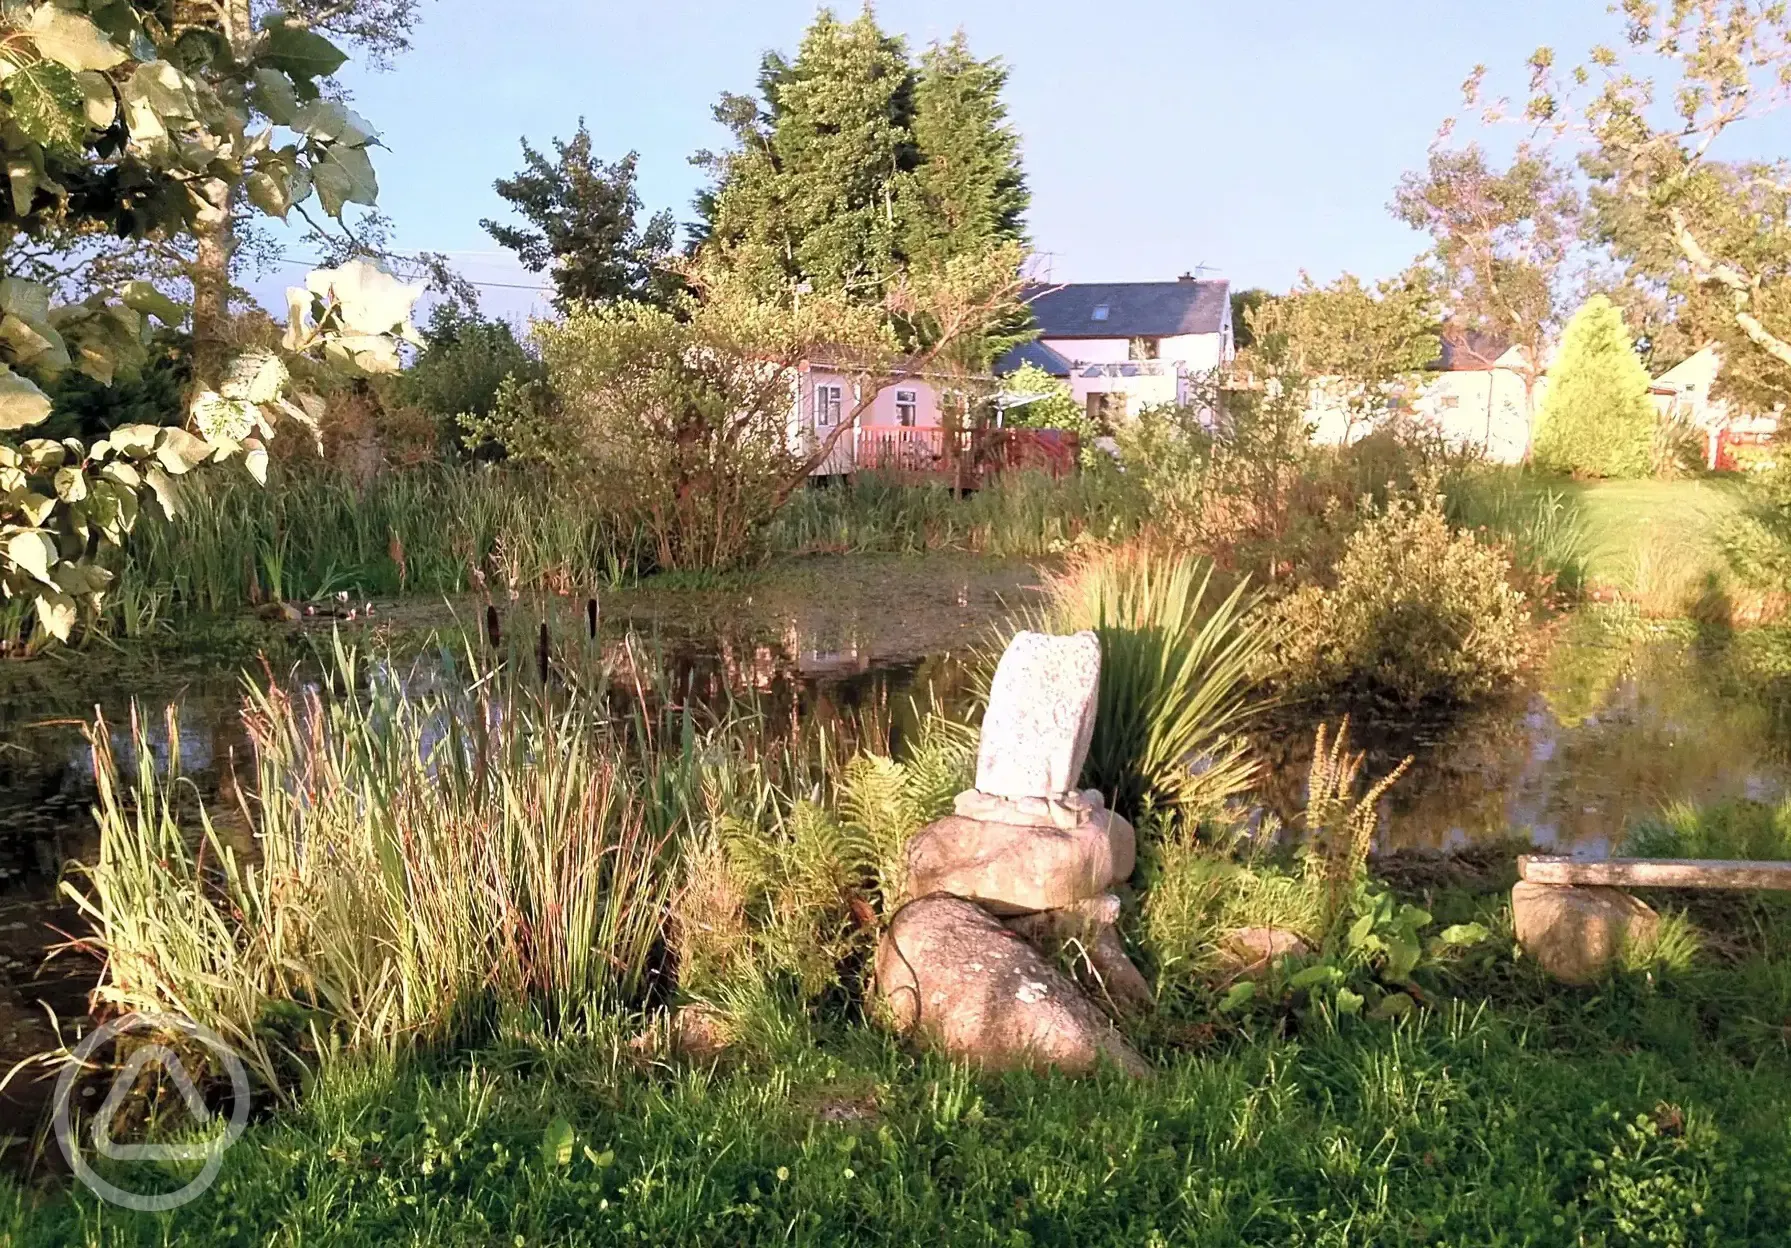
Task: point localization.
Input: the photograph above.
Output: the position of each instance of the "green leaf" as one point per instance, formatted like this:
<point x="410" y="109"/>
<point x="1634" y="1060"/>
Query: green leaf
<point x="1315" y="975"/>
<point x="179" y="451"/>
<point x="71" y="485"/>
<point x="22" y="404"/>
<point x="70" y="39"/>
<point x="142" y="297"/>
<point x="35" y="507"/>
<point x="603" y="1160"/>
<point x="328" y="121"/>
<point x="32" y="551"/>
<point x="29" y="301"/>
<point x="1403" y="953"/>
<point x="270" y="194"/>
<point x="167" y="495"/>
<point x="304" y="54"/>
<point x="1464" y="934"/>
<point x="1242" y="993"/>
<point x="556" y="1144"/>
<point x="271" y="92"/>
<point x="1360" y="929"/>
<point x="57" y="612"/>
<point x="1348" y="1002"/>
<point x="1393" y="1005"/>
<point x="344" y="176"/>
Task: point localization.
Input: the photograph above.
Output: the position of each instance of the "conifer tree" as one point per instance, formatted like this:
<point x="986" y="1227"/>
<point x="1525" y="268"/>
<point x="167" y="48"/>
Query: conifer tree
<point x="851" y="164"/>
<point x="968" y="190"/>
<point x="1597" y="419"/>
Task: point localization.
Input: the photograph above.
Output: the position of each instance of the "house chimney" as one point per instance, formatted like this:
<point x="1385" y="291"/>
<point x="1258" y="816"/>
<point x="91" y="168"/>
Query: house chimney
<point x="1186" y="277"/>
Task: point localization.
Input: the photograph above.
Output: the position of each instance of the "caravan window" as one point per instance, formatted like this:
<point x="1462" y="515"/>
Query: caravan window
<point x="907" y="406"/>
<point x="830" y="402"/>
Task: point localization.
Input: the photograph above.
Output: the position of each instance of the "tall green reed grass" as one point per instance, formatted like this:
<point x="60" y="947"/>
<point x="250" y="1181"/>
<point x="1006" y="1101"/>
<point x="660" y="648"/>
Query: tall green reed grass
<point x="1176" y="675"/>
<point x="417" y="857"/>
<point x="314" y="532"/>
<point x="1541" y="526"/>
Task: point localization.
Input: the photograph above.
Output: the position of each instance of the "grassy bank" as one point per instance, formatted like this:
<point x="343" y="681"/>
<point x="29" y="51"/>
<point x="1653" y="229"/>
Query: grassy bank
<point x="1652" y="1111"/>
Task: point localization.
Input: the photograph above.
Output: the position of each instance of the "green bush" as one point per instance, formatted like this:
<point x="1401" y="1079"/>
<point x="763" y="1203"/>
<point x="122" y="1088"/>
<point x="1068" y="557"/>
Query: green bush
<point x="466" y="362"/>
<point x="1057" y="410"/>
<point x="1418" y="615"/>
<point x="1597" y="419"/>
<point x="1741" y="829"/>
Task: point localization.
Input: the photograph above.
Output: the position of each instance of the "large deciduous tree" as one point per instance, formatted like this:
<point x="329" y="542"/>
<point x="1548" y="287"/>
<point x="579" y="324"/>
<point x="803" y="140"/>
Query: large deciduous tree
<point x="1363" y="347"/>
<point x="117" y="120"/>
<point x="1709" y="234"/>
<point x="583" y="226"/>
<point x="1502" y="241"/>
<point x="852" y="165"/>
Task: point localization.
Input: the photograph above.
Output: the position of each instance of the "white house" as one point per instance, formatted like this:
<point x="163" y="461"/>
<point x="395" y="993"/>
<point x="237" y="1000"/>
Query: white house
<point x="1122" y="346"/>
<point x="1474" y="395"/>
<point x="1684" y="391"/>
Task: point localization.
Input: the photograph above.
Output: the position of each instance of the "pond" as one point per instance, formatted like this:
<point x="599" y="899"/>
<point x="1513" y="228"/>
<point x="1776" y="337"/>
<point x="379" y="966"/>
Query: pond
<point x="1622" y="718"/>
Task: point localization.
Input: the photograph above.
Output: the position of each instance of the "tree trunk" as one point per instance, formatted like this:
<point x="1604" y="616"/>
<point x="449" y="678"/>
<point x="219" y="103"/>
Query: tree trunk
<point x="215" y="229"/>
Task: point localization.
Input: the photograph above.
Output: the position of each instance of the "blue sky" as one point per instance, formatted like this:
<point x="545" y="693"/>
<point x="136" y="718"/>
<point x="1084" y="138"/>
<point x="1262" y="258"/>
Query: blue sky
<point x="1254" y="138"/>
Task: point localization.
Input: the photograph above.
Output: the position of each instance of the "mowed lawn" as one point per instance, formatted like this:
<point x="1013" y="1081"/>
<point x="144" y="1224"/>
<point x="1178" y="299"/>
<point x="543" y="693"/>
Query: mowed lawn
<point x="1655" y="541"/>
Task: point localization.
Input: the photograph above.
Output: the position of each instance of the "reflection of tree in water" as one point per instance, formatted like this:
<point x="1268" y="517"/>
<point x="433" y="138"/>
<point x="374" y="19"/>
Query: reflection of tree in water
<point x="1615" y="724"/>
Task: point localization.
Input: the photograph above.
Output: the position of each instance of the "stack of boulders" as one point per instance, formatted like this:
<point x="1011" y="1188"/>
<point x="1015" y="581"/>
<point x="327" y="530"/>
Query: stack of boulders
<point x="1025" y="864"/>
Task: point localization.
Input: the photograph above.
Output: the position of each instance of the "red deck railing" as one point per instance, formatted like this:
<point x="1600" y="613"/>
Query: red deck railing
<point x="964" y="455"/>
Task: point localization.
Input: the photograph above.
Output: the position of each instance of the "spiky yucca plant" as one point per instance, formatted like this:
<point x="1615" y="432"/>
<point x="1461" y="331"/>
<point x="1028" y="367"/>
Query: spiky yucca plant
<point x="1176" y="686"/>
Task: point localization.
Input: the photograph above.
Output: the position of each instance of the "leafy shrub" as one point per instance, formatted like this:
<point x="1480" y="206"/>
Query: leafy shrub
<point x="1597" y="419"/>
<point x="1057" y="410"/>
<point x="1418" y="615"/>
<point x="1175" y="675"/>
<point x="465" y="364"/>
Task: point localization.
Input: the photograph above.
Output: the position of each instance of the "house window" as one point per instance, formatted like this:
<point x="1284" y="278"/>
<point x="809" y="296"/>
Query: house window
<point x="907" y="405"/>
<point x="1099" y="313"/>
<point x="1106" y="408"/>
<point x="1141" y="349"/>
<point x="830" y="403"/>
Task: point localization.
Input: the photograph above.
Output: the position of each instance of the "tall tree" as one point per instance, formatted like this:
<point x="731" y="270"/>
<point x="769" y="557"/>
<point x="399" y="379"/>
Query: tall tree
<point x="852" y="165"/>
<point x="582" y="226"/>
<point x="968" y="191"/>
<point x="1501" y="240"/>
<point x="1710" y="237"/>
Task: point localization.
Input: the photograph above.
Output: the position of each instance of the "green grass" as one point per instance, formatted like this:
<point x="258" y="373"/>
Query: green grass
<point x="1655" y="539"/>
<point x="1603" y="1119"/>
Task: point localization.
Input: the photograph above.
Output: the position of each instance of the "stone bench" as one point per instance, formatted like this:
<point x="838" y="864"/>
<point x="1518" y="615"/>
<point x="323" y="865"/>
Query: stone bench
<point x="1573" y="917"/>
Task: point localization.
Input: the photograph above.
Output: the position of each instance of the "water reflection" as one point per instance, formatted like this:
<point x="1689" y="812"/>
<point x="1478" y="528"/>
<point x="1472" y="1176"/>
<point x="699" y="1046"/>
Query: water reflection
<point x="1619" y="722"/>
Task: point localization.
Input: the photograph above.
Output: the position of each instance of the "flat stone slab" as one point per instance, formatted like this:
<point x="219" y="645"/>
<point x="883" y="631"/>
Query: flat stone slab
<point x="1577" y="934"/>
<point x="1654" y="872"/>
<point x="1041" y="716"/>
<point x="950" y="973"/>
<point x="1014" y="869"/>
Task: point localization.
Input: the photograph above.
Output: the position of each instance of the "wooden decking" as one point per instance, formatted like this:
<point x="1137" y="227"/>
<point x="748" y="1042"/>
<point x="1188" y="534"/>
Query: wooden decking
<point x="1655" y="872"/>
<point x="963" y="458"/>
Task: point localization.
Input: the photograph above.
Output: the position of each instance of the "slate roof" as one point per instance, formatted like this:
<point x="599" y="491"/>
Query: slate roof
<point x="1467" y="351"/>
<point x="1134" y="309"/>
<point x="1036" y="353"/>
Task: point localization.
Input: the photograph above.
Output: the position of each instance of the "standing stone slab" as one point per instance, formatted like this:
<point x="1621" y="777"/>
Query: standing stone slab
<point x="950" y="971"/>
<point x="1041" y="716"/>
